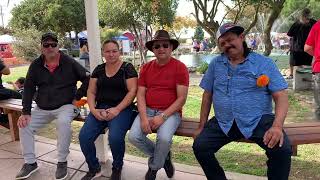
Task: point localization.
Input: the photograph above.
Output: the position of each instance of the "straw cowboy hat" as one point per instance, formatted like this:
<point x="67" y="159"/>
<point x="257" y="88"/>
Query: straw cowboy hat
<point x="162" y="35"/>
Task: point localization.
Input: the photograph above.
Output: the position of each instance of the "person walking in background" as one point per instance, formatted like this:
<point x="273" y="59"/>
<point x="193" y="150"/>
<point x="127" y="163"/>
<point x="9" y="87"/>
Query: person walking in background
<point x="312" y="47"/>
<point x="112" y="88"/>
<point x="162" y="92"/>
<point x="240" y="85"/>
<point x="54" y="76"/>
<point x="299" y="32"/>
<point x="84" y="54"/>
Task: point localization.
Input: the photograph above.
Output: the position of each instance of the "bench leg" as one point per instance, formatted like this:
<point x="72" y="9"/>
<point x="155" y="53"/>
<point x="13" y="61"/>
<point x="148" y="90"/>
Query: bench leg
<point x="294" y="150"/>
<point x="102" y="147"/>
<point x="14" y="130"/>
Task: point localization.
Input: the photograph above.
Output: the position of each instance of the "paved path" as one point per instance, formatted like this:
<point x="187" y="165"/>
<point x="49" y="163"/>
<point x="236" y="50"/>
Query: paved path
<point x="134" y="167"/>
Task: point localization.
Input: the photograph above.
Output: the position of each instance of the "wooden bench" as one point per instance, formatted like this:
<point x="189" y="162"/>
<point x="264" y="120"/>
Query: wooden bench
<point x="298" y="133"/>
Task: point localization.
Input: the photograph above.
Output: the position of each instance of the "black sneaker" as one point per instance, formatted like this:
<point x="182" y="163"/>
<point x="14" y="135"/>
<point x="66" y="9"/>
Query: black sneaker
<point x="168" y="166"/>
<point x="116" y="174"/>
<point x="62" y="170"/>
<point x="92" y="175"/>
<point x="151" y="174"/>
<point x="27" y="170"/>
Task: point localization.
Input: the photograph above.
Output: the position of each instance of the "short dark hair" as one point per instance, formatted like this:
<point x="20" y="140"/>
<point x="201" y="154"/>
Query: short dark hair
<point x="21" y="80"/>
<point x="246" y="49"/>
<point x="110" y="41"/>
<point x="306" y="13"/>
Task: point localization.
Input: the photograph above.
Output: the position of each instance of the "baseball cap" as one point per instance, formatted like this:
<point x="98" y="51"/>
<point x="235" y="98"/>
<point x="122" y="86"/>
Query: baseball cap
<point x="227" y="27"/>
<point x="49" y="35"/>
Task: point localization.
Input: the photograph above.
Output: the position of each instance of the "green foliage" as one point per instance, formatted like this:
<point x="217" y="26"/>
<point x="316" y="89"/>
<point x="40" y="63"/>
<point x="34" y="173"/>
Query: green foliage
<point x="198" y="34"/>
<point x="127" y="14"/>
<point x="50" y="15"/>
<point x="107" y="34"/>
<point x="27" y="43"/>
<point x="203" y="67"/>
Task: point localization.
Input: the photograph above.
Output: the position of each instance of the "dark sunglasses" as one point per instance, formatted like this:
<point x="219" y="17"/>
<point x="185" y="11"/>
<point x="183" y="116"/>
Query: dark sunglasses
<point x="157" y="46"/>
<point x="46" y="45"/>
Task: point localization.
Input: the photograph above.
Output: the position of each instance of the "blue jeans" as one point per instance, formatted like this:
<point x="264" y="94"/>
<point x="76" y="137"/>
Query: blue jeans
<point x="118" y="128"/>
<point x="212" y="138"/>
<point x="158" y="151"/>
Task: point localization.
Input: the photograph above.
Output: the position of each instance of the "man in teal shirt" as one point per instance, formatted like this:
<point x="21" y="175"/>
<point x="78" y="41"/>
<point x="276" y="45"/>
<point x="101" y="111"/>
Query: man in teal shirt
<point x="241" y="85"/>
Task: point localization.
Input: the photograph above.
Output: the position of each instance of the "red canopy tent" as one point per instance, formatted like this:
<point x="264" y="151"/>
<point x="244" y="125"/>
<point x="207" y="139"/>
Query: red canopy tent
<point x="129" y="35"/>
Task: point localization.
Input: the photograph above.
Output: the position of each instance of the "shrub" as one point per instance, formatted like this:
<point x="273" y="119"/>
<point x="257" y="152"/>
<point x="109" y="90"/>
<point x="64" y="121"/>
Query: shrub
<point x="203" y="67"/>
<point x="27" y="44"/>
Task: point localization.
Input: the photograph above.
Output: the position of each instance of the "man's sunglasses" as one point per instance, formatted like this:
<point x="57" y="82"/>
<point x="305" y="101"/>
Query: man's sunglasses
<point x="157" y="46"/>
<point x="46" y="45"/>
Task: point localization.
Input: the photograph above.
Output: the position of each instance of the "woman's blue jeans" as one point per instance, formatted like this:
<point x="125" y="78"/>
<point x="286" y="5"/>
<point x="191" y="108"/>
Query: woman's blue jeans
<point x="118" y="128"/>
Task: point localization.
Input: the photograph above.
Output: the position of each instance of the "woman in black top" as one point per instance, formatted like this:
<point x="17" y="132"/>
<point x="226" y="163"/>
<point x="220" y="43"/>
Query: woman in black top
<point x="112" y="88"/>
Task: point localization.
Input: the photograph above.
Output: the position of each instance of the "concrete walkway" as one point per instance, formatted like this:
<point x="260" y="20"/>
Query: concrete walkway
<point x="134" y="167"/>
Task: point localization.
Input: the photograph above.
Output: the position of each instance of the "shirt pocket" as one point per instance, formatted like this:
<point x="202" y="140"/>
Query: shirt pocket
<point x="247" y="80"/>
<point x="221" y="83"/>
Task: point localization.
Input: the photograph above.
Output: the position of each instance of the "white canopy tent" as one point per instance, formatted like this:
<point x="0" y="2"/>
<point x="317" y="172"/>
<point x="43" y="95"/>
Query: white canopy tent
<point x="6" y="39"/>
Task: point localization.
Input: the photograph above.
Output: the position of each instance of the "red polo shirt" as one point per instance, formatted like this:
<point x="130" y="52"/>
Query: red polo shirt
<point x="161" y="82"/>
<point x="313" y="40"/>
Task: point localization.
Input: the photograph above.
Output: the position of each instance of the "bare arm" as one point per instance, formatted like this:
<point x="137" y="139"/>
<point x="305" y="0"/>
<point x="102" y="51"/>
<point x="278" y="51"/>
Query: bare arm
<point x="5" y="70"/>
<point x="141" y="99"/>
<point x="91" y="98"/>
<point x="281" y="107"/>
<point x="132" y="91"/>
<point x="182" y="92"/>
<point x="274" y="135"/>
<point x="142" y="107"/>
<point x="205" y="111"/>
<point x="309" y="49"/>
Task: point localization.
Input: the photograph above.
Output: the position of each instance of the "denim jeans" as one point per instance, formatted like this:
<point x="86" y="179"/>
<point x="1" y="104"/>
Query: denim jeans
<point x="118" y="128"/>
<point x="316" y="91"/>
<point x="212" y="138"/>
<point x="159" y="150"/>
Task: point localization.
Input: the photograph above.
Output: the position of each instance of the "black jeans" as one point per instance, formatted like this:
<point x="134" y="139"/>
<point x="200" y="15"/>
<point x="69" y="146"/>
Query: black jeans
<point x="212" y="138"/>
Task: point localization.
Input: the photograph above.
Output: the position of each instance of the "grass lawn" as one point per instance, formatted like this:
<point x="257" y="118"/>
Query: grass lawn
<point x="235" y="157"/>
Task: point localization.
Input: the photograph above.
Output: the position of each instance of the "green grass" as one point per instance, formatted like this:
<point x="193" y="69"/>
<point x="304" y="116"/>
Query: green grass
<point x="15" y="73"/>
<point x="235" y="157"/>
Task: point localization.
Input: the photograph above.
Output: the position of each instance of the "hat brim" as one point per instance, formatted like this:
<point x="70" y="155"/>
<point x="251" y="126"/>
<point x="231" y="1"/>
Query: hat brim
<point x="49" y="37"/>
<point x="174" y="43"/>
<point x="236" y="29"/>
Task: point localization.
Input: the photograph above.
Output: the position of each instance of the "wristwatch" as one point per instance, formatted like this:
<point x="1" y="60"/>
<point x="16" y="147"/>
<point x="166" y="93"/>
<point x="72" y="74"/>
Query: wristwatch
<point x="164" y="117"/>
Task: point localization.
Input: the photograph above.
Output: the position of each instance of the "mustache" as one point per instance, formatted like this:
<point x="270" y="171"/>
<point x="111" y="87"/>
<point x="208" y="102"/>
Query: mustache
<point x="232" y="46"/>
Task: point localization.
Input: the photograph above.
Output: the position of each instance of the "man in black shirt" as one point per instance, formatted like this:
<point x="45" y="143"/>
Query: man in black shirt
<point x="298" y="33"/>
<point x="54" y="76"/>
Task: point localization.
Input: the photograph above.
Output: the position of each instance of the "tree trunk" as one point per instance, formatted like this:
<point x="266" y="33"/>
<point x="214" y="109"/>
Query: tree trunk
<point x="275" y="12"/>
<point x="139" y="45"/>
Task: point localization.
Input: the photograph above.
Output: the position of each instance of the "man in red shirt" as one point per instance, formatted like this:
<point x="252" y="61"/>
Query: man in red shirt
<point x="312" y="47"/>
<point x="162" y="91"/>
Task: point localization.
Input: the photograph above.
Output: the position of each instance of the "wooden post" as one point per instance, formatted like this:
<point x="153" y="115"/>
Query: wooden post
<point x="13" y="117"/>
<point x="294" y="149"/>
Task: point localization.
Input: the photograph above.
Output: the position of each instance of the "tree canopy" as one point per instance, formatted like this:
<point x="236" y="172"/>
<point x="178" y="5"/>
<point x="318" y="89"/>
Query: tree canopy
<point x="50" y="15"/>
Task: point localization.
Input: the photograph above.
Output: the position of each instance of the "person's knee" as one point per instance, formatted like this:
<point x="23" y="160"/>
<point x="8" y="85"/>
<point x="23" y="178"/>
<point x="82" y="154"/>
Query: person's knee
<point x="133" y="137"/>
<point x="282" y="153"/>
<point x="197" y="146"/>
<point x="63" y="124"/>
<point x="115" y="139"/>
